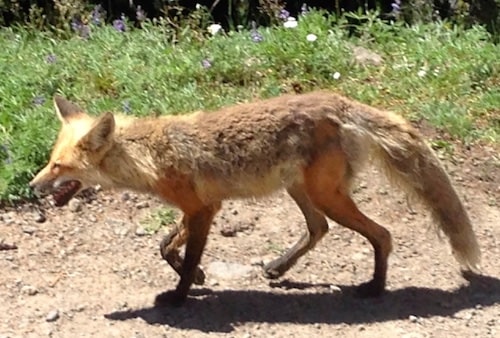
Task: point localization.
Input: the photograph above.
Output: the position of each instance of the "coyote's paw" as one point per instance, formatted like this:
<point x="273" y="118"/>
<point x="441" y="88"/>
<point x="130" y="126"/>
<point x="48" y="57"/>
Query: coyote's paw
<point x="373" y="288"/>
<point x="199" y="278"/>
<point x="170" y="298"/>
<point x="274" y="270"/>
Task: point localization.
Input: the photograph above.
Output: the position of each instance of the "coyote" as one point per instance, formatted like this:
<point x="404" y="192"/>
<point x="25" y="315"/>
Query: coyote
<point x="312" y="145"/>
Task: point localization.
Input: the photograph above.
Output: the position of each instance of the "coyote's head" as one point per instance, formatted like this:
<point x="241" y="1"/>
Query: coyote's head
<point x="82" y="143"/>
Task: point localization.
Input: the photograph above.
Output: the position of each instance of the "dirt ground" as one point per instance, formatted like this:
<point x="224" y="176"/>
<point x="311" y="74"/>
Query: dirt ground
<point x="89" y="270"/>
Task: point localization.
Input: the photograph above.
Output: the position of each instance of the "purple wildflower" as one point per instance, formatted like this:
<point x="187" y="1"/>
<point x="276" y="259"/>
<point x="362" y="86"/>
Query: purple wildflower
<point x="96" y="15"/>
<point x="139" y="13"/>
<point x="76" y="25"/>
<point x="119" y="24"/>
<point x="51" y="58"/>
<point x="304" y="9"/>
<point x="80" y="28"/>
<point x="283" y="14"/>
<point x="396" y="7"/>
<point x="38" y="100"/>
<point x="206" y="63"/>
<point x="254" y="34"/>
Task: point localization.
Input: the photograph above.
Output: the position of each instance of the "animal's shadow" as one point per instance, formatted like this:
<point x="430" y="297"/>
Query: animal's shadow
<point x="219" y="311"/>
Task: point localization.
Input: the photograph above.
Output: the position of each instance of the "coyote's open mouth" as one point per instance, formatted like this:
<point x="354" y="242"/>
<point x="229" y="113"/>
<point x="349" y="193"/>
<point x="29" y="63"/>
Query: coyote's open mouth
<point x="65" y="191"/>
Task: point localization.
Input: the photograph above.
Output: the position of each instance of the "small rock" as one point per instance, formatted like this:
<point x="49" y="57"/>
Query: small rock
<point x="142" y="205"/>
<point x="80" y="308"/>
<point x="7" y="246"/>
<point x="335" y="288"/>
<point x="9" y="218"/>
<point x="75" y="205"/>
<point x="125" y="196"/>
<point x="30" y="230"/>
<point x="491" y="322"/>
<point x="29" y="290"/>
<point x="39" y="217"/>
<point x="121" y="231"/>
<point x="382" y="191"/>
<point x="234" y="211"/>
<point x="52" y="316"/>
<point x="413" y="319"/>
<point x="228" y="231"/>
<point x="140" y="231"/>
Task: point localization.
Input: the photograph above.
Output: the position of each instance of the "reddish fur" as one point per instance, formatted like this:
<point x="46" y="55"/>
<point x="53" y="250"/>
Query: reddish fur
<point x="312" y="145"/>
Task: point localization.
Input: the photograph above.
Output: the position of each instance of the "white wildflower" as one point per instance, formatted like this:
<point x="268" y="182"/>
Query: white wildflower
<point x="197" y="6"/>
<point x="421" y="73"/>
<point x="291" y="22"/>
<point x="311" y="37"/>
<point x="336" y="75"/>
<point x="214" y="28"/>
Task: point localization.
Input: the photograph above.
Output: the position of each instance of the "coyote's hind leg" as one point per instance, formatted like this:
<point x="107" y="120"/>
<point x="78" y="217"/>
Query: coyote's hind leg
<point x="317" y="227"/>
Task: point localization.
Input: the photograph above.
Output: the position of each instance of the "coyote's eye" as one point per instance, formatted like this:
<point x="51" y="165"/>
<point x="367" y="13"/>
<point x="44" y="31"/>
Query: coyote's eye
<point x="56" y="166"/>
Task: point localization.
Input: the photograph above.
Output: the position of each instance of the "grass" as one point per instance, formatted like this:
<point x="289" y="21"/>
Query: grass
<point x="157" y="219"/>
<point x="444" y="74"/>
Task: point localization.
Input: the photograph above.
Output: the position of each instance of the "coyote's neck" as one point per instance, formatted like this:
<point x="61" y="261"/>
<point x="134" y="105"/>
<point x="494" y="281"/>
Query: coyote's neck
<point x="133" y="161"/>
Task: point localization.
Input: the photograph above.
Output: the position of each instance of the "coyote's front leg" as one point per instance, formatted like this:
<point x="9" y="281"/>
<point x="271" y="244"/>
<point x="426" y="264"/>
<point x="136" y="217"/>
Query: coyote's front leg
<point x="169" y="249"/>
<point x="197" y="226"/>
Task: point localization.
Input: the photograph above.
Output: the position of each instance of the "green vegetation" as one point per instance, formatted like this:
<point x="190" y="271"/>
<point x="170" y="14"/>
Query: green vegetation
<point x="159" y="218"/>
<point x="437" y="72"/>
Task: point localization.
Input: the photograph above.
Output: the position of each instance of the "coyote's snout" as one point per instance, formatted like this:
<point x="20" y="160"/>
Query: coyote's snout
<point x="312" y="145"/>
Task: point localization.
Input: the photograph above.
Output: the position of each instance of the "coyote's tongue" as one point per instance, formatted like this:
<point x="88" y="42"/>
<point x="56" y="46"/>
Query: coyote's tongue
<point x="65" y="191"/>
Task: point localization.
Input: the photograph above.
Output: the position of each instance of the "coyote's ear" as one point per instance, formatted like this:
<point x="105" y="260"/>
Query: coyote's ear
<point x="65" y="109"/>
<point x="100" y="135"/>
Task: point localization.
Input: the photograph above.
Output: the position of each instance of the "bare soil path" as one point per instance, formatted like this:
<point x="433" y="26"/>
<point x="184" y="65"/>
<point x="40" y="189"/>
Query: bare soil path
<point x="89" y="270"/>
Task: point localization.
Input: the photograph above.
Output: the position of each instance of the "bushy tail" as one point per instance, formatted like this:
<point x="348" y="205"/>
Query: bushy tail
<point x="411" y="163"/>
